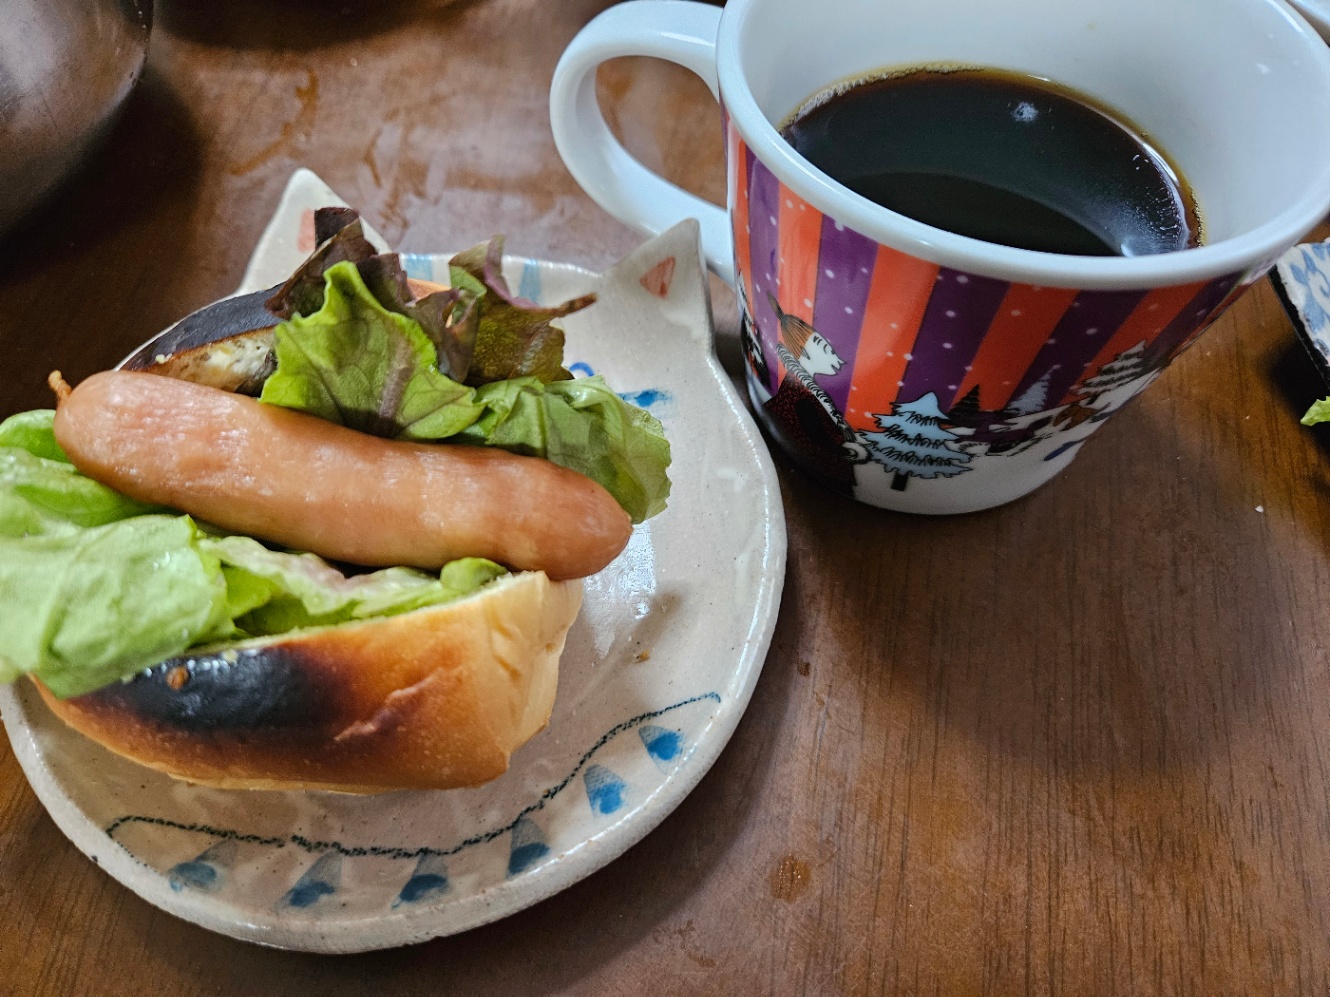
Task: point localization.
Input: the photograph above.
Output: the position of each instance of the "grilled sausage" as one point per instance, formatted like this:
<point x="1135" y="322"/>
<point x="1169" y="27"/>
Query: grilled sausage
<point x="305" y="483"/>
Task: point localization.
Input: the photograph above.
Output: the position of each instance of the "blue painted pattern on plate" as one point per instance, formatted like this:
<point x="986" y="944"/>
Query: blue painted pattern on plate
<point x="606" y="793"/>
<point x="197" y="875"/>
<point x="529" y="286"/>
<point x="419" y="266"/>
<point x="1304" y="273"/>
<point x="320" y="880"/>
<point x="604" y="789"/>
<point x="428" y="880"/>
<point x="206" y="870"/>
<point x="661" y="743"/>
<point x="528" y="846"/>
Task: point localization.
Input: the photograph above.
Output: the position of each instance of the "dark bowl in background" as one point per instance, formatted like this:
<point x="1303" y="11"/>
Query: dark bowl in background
<point x="66" y="69"/>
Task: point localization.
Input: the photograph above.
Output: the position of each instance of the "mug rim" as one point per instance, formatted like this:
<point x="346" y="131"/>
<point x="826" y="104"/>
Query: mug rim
<point x="1256" y="247"/>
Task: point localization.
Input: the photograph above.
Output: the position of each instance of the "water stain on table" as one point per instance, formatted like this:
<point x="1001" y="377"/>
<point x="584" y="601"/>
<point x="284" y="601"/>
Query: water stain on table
<point x="791" y="879"/>
<point x="302" y="123"/>
<point x="685" y="936"/>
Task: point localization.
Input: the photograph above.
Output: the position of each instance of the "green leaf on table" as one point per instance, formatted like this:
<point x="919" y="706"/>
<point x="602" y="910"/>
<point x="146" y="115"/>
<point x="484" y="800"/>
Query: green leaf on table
<point x="1318" y="413"/>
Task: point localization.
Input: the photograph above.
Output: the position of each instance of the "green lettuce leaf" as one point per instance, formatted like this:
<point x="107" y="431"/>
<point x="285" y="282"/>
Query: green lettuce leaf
<point x="584" y="426"/>
<point x="341" y="238"/>
<point x="95" y="587"/>
<point x="1318" y="413"/>
<point x="355" y="363"/>
<point x="364" y="365"/>
<point x="481" y="331"/>
<point x="303" y="590"/>
<point x="448" y="317"/>
<point x="41" y="494"/>
<point x="82" y="609"/>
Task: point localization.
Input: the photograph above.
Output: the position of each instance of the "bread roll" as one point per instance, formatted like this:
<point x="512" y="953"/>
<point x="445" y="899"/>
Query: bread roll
<point x="433" y="699"/>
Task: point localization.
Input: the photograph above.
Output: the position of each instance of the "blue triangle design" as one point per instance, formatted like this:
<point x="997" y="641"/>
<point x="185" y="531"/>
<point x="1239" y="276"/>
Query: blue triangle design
<point x="647" y="398"/>
<point x="662" y="744"/>
<point x="319" y="880"/>
<point x="195" y="875"/>
<point x="429" y="880"/>
<point x="205" y="871"/>
<point x="528" y="846"/>
<point x="604" y="789"/>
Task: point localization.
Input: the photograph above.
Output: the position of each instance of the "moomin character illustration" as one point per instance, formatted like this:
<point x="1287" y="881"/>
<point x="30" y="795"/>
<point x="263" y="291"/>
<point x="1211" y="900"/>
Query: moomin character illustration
<point x="1023" y="419"/>
<point x="803" y="416"/>
<point x="917" y="439"/>
<point x="757" y="361"/>
<point x="1127" y="368"/>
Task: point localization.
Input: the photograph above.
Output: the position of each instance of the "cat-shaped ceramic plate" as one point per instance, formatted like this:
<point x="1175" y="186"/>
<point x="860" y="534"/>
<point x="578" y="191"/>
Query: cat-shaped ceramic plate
<point x="657" y="672"/>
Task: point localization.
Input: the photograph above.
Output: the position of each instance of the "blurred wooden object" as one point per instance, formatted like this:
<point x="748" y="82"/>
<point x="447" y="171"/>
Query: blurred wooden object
<point x="1076" y="745"/>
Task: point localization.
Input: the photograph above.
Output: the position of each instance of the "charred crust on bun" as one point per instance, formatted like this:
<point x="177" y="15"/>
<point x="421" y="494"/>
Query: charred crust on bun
<point x="432" y="699"/>
<point x="259" y="688"/>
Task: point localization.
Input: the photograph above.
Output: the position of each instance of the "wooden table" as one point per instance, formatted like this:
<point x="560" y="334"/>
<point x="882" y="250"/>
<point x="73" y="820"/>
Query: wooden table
<point x="1077" y="745"/>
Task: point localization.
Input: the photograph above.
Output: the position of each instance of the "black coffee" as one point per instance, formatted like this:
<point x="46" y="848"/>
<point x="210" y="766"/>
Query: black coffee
<point x="1002" y="157"/>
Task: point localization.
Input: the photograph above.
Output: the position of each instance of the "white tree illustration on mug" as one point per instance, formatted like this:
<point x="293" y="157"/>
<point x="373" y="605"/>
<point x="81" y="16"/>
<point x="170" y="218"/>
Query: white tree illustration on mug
<point x="913" y="442"/>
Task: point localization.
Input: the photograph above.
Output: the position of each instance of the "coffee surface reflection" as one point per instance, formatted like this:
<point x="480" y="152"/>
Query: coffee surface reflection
<point x="1002" y="157"/>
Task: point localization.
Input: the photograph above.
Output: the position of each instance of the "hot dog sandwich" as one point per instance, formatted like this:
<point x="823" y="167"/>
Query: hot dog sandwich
<point x="338" y="549"/>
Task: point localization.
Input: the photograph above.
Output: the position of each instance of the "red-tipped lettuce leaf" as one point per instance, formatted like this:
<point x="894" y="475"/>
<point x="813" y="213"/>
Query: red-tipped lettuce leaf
<point x="450" y="317"/>
<point x="302" y="294"/>
<point x="516" y="337"/>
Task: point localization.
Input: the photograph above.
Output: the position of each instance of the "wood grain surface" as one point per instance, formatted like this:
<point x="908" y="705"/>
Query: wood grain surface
<point x="1076" y="745"/>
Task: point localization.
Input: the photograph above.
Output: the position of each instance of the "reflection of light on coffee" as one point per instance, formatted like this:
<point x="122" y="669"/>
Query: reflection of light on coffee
<point x="1025" y="112"/>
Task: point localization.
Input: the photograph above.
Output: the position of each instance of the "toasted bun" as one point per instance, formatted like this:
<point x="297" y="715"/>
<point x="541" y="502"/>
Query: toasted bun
<point x="228" y="346"/>
<point x="434" y="699"/>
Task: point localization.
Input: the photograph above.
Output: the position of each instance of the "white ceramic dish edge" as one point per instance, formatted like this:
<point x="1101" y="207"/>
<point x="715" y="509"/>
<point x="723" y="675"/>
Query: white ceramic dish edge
<point x="1317" y="14"/>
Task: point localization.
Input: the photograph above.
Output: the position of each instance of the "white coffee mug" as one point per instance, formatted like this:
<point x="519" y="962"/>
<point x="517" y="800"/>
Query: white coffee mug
<point x="915" y="368"/>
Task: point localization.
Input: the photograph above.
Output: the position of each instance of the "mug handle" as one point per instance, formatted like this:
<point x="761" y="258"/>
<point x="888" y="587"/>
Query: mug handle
<point x="681" y="31"/>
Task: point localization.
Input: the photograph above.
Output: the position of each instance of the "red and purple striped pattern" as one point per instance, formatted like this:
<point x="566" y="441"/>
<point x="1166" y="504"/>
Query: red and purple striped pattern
<point x="904" y="327"/>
